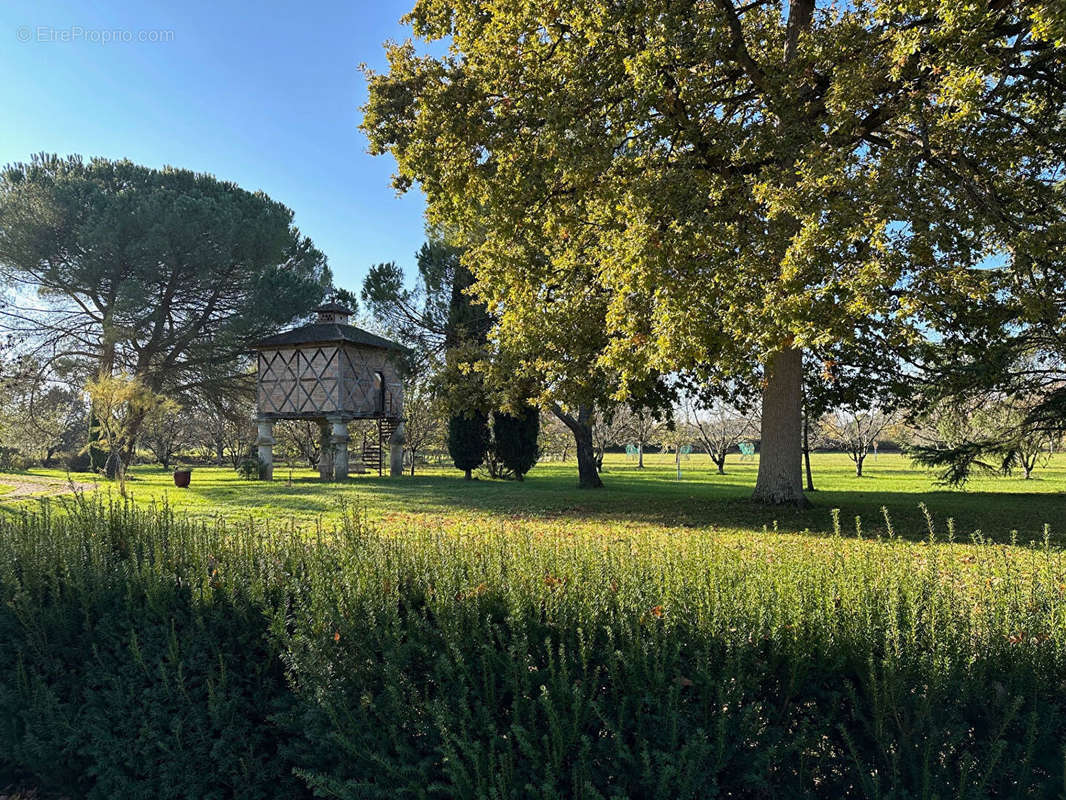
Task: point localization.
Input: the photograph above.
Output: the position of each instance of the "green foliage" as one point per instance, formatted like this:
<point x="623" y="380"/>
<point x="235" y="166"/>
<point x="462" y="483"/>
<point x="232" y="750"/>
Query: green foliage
<point x="11" y="458"/>
<point x="514" y="440"/>
<point x="165" y="274"/>
<point x="42" y="418"/>
<point x="468" y="440"/>
<point x="136" y="663"/>
<point x="146" y="656"/>
<point x="418" y="317"/>
<point x="250" y="468"/>
<point x="989" y="433"/>
<point x="655" y="187"/>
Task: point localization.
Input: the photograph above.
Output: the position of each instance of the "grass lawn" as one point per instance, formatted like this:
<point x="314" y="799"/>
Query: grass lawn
<point x="633" y="498"/>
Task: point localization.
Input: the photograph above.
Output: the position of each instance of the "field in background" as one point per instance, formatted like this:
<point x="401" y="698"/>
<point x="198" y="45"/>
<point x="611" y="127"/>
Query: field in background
<point x="634" y="498"/>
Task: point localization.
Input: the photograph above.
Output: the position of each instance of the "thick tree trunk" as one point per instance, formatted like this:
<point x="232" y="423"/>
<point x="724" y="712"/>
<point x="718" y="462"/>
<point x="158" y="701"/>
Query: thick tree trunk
<point x="858" y="465"/>
<point x="640" y="456"/>
<point x="581" y="427"/>
<point x="780" y="480"/>
<point x="720" y="463"/>
<point x="468" y="475"/>
<point x="588" y="475"/>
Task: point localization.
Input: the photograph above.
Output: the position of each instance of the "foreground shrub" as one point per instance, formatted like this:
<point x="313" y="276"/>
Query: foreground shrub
<point x="132" y="666"/>
<point x="152" y="657"/>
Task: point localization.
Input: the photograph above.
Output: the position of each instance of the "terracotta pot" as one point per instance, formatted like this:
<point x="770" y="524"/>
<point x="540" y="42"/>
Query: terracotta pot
<point x="182" y="477"/>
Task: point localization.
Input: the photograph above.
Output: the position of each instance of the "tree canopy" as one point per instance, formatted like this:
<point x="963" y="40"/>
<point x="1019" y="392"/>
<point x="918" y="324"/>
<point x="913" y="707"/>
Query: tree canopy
<point x="734" y="183"/>
<point x="166" y="275"/>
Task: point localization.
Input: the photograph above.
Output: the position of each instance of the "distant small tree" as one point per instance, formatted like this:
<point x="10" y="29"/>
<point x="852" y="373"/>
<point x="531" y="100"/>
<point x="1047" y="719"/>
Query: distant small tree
<point x="555" y="438"/>
<point x="166" y="431"/>
<point x="120" y="405"/>
<point x="302" y="438"/>
<point x="224" y="428"/>
<point x="1032" y="450"/>
<point x="814" y="438"/>
<point x="468" y="440"/>
<point x="641" y="427"/>
<point x="719" y="427"/>
<point x="425" y="419"/>
<point x="856" y="431"/>
<point x="675" y="435"/>
<point x="514" y="439"/>
<point x="609" y="429"/>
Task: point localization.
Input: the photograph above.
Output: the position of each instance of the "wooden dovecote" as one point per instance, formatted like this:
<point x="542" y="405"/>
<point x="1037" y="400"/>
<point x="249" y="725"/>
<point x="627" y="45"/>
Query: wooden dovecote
<point x="331" y="372"/>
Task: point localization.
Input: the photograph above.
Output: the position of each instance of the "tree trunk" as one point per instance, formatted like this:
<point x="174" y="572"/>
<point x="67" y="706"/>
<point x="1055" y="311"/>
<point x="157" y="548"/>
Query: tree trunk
<point x="720" y="463"/>
<point x="780" y="480"/>
<point x="588" y="475"/>
<point x="468" y="475"/>
<point x="640" y="456"/>
<point x="807" y="449"/>
<point x="113" y="465"/>
<point x="858" y="465"/>
<point x="581" y="427"/>
<point x="97" y="457"/>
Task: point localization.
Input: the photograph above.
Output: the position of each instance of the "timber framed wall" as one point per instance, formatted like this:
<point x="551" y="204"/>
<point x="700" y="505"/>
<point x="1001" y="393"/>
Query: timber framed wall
<point x="318" y="380"/>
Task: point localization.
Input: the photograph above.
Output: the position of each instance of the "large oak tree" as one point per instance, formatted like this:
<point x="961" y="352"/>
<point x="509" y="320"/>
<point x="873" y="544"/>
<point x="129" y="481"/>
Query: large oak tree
<point x="739" y="181"/>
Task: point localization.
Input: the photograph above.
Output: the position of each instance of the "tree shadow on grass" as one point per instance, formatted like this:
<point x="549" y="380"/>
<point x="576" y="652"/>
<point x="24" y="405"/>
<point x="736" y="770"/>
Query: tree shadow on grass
<point x="647" y="500"/>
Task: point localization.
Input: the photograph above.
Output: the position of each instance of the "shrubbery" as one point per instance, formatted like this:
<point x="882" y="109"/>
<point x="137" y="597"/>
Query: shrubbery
<point x="146" y="656"/>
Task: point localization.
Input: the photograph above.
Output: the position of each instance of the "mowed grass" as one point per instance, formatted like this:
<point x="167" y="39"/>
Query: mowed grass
<point x="1000" y="508"/>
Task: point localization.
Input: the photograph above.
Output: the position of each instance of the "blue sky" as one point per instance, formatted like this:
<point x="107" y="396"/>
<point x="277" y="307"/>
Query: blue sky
<point x="265" y="94"/>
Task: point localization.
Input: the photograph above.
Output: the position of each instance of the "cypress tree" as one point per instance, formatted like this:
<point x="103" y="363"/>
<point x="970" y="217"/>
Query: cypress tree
<point x="468" y="324"/>
<point x="468" y="440"/>
<point x="515" y="440"/>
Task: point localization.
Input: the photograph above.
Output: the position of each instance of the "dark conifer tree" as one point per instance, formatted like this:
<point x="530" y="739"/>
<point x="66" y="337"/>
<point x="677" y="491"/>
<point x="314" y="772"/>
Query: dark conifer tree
<point x="468" y="440"/>
<point x="515" y="440"/>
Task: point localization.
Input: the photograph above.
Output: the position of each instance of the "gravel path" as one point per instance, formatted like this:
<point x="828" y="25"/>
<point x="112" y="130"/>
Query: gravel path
<point x="23" y="486"/>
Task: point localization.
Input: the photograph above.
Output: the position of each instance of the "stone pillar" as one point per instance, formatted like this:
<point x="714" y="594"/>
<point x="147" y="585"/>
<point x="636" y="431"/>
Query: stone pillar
<point x="339" y="440"/>
<point x="396" y="452"/>
<point x="265" y="442"/>
<point x="325" y="447"/>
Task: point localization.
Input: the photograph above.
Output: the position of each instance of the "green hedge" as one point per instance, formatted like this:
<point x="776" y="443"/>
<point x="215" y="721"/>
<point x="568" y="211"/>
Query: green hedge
<point x="147" y="656"/>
